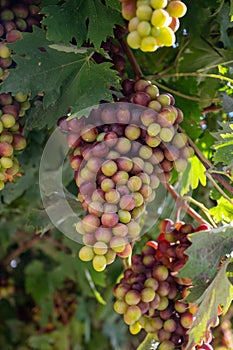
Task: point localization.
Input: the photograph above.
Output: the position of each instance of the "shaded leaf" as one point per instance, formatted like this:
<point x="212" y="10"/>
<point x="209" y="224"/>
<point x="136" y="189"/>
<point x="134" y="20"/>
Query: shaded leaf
<point x="224" y="146"/>
<point x="205" y="253"/>
<point x="219" y="292"/>
<point x="80" y="19"/>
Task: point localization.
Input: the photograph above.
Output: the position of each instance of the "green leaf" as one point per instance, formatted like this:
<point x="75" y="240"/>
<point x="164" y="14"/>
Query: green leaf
<point x="205" y="253"/>
<point x="223" y="211"/>
<point x="36" y="282"/>
<point x="224" y="146"/>
<point x="219" y="292"/>
<point x="39" y="220"/>
<point x="79" y="13"/>
<point x="193" y="175"/>
<point x="67" y="80"/>
<point x="40" y="342"/>
<point x="223" y="19"/>
<point x="16" y="189"/>
<point x="148" y="343"/>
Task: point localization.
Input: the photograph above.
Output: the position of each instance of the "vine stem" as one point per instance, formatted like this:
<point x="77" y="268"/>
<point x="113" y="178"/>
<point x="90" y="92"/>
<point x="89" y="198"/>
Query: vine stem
<point x="136" y="68"/>
<point x="183" y="204"/>
<point x="207" y="164"/>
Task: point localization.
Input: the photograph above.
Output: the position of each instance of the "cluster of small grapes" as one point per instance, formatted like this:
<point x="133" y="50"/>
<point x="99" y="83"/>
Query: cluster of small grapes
<point x="119" y="161"/>
<point x="149" y="294"/>
<point x="152" y="23"/>
<point x="115" y="53"/>
<point x="11" y="134"/>
<point x="16" y="17"/>
<point x="161" y="133"/>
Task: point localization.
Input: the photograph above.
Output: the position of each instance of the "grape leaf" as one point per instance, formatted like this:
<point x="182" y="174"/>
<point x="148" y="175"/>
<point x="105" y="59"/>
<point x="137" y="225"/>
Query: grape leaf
<point x="224" y="21"/>
<point x="224" y="146"/>
<point x="66" y="79"/>
<point x="193" y="175"/>
<point x="149" y="343"/>
<point x="84" y="17"/>
<point x="205" y="253"/>
<point x="223" y="212"/>
<point x="227" y="102"/>
<point x="36" y="282"/>
<point x="219" y="292"/>
<point x="39" y="220"/>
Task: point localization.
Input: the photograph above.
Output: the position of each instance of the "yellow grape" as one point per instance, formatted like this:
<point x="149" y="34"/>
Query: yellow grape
<point x="99" y="262"/>
<point x="166" y="37"/>
<point x="134" y="40"/>
<point x="133" y="23"/>
<point x="86" y="253"/>
<point x="149" y="44"/>
<point x="158" y="4"/>
<point x="176" y="8"/>
<point x="144" y="12"/>
<point x="144" y="28"/>
<point x="160" y="18"/>
<point x="155" y="31"/>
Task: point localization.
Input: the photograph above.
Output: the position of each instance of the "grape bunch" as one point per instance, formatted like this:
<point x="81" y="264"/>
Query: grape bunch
<point x="16" y="17"/>
<point x="152" y="23"/>
<point x="149" y="294"/>
<point x="120" y="155"/>
<point x="115" y="52"/>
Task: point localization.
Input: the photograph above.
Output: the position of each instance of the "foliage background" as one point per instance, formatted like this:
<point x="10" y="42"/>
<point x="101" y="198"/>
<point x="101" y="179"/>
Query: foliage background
<point x="49" y="300"/>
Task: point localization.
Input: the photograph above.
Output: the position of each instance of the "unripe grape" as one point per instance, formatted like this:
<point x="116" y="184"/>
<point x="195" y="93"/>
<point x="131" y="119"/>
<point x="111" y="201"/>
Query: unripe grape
<point x="135" y="328"/>
<point x="86" y="253"/>
<point x="160" y="272"/>
<point x="100" y="248"/>
<point x="144" y="13"/>
<point x="120" y="230"/>
<point x="166" y="36"/>
<point x="160" y="18"/>
<point x="6" y="149"/>
<point x="132" y="297"/>
<point x="132" y="314"/>
<point x="164" y="99"/>
<point x="123" y="145"/>
<point x="117" y="244"/>
<point x="99" y="263"/>
<point x="158" y="4"/>
<point x="133" y="23"/>
<point x="107" y="185"/>
<point x="180" y="165"/>
<point x="144" y="28"/>
<point x="166" y="345"/>
<point x="186" y="319"/>
<point x="4" y="51"/>
<point x="149" y="44"/>
<point x="124" y="216"/>
<point x="153" y="141"/>
<point x="134" y="40"/>
<point x="176" y="8"/>
<point x="112" y="196"/>
<point x="89" y="133"/>
<point x="133" y="229"/>
<point x="132" y="132"/>
<point x="147" y="294"/>
<point x="163" y="304"/>
<point x="125" y="164"/>
<point x="145" y="152"/>
<point x="127" y="202"/>
<point x="109" y="219"/>
<point x="121" y="177"/>
<point x="2" y="185"/>
<point x="110" y="256"/>
<point x="8" y="120"/>
<point x="120" y="307"/>
<point x="155" y="105"/>
<point x="6" y="162"/>
<point x="90" y="223"/>
<point x="13" y="35"/>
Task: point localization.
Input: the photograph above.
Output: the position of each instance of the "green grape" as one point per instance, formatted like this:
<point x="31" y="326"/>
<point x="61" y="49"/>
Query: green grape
<point x="86" y="253"/>
<point x="134" y="40"/>
<point x="133" y="24"/>
<point x="144" y="28"/>
<point x="160" y="18"/>
<point x="176" y="8"/>
<point x="166" y="37"/>
<point x="144" y="12"/>
<point x="149" y="44"/>
<point x="99" y="262"/>
<point x="158" y="4"/>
